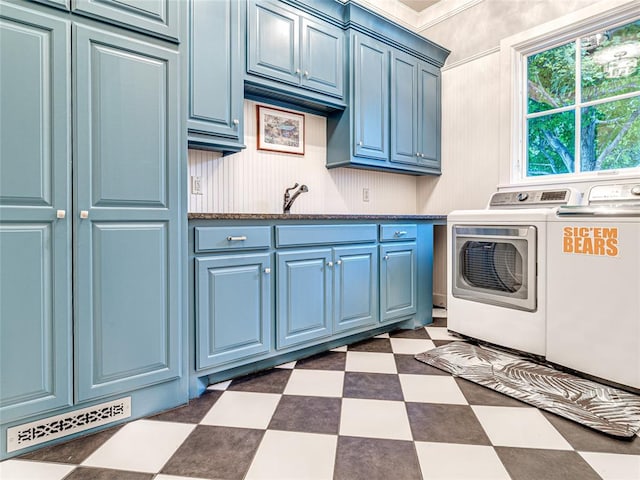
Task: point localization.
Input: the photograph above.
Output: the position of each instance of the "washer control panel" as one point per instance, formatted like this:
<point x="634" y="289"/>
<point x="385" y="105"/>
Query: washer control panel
<point x="611" y="194"/>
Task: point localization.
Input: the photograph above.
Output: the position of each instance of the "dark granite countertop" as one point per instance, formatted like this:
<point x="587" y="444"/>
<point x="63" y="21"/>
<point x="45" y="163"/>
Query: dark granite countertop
<point x="312" y="216"/>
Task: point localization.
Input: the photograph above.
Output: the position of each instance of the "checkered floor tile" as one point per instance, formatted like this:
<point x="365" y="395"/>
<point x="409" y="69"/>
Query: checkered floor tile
<point x="366" y="411"/>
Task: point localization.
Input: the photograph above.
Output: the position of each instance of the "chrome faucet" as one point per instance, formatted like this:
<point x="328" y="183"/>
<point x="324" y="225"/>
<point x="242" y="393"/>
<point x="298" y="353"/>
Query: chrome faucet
<point x="289" y="199"/>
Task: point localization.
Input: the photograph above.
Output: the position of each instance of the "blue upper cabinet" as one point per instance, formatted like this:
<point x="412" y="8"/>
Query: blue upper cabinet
<point x="127" y="263"/>
<point x="216" y="59"/>
<point x="35" y="220"/>
<point x="156" y="17"/>
<point x="294" y="53"/>
<point x="428" y="104"/>
<point x="404" y="109"/>
<point x="370" y="104"/>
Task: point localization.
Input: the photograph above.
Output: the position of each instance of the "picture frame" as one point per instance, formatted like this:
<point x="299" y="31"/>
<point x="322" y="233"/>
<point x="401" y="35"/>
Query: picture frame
<point x="280" y="130"/>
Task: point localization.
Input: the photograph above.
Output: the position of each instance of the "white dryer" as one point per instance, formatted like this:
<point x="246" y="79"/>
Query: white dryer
<point x="496" y="268"/>
<point x="593" y="302"/>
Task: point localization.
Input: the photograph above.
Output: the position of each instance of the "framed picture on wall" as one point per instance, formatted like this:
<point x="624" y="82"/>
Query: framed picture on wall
<point x="280" y="130"/>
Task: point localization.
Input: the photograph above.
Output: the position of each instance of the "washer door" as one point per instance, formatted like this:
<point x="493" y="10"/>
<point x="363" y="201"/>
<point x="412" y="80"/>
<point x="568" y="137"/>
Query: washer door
<point x="495" y="265"/>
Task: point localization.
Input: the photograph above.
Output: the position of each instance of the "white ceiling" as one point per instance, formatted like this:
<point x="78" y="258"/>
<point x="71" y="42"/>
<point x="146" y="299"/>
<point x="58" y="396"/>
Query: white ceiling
<point x="418" y="5"/>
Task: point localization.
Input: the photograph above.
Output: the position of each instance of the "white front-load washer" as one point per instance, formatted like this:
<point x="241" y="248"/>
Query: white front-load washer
<point x="496" y="268"/>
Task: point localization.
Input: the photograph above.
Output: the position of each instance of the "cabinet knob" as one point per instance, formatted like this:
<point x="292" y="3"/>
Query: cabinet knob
<point x="306" y="73"/>
<point x="61" y="214"/>
<point x="236" y="121"/>
<point x="386" y="257"/>
<point x="339" y="262"/>
<point x="267" y="271"/>
<point x="329" y="264"/>
<point x="297" y="71"/>
<point x="400" y="233"/>
<point x="360" y="143"/>
<point x="84" y="214"/>
<point x="418" y="154"/>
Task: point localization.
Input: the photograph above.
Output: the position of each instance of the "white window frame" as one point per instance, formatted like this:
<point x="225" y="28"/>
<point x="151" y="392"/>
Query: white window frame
<point x="514" y="51"/>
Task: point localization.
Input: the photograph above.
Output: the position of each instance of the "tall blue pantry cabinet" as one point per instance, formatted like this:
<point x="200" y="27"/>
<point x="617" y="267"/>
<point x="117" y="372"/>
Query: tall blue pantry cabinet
<point x="91" y="223"/>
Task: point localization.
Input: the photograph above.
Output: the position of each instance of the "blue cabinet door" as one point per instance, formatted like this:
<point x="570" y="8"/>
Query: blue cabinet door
<point x="35" y="245"/>
<point x="355" y="299"/>
<point x="303" y="296"/>
<point x="158" y="17"/>
<point x="398" y="276"/>
<point x="216" y="54"/>
<point x="273" y="42"/>
<point x="429" y="116"/>
<point x="127" y="158"/>
<point x="404" y="109"/>
<point x="370" y="101"/>
<point x="233" y="308"/>
<point x="322" y="57"/>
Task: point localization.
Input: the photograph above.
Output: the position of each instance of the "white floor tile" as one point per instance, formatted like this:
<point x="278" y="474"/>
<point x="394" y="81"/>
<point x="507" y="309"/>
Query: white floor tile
<point x="294" y="455"/>
<point x="289" y="365"/>
<point x="371" y="362"/>
<point x="173" y="477"/>
<point x="27" y="470"/>
<point x="340" y="349"/>
<point x="440" y="333"/>
<point x="374" y="418"/>
<point x="519" y="427"/>
<point x="220" y="386"/>
<point x="317" y="383"/>
<point x="411" y="346"/>
<point x="448" y="461"/>
<point x="242" y="410"/>
<point x="140" y="446"/>
<point x="431" y="389"/>
<point x="611" y="466"/>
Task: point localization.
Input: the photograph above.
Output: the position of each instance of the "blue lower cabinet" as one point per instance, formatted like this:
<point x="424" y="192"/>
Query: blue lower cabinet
<point x="233" y="308"/>
<point x="304" y="309"/>
<point x="355" y="300"/>
<point x="398" y="280"/>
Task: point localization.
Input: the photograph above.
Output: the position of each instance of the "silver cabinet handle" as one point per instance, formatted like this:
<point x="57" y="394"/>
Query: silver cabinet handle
<point x="339" y="262"/>
<point x="61" y="214"/>
<point x="241" y="238"/>
<point x="329" y="264"/>
<point x="84" y="214"/>
<point x="386" y="257"/>
<point x="236" y="121"/>
<point x="400" y="233"/>
<point x="267" y="271"/>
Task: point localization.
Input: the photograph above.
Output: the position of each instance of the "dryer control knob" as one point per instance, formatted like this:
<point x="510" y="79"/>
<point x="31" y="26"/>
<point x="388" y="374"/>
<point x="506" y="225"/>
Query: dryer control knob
<point x="522" y="196"/>
<point x="635" y="190"/>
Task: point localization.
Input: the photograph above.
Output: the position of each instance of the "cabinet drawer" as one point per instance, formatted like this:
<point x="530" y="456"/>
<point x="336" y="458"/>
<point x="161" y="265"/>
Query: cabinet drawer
<point x="294" y="235"/>
<point x="398" y="232"/>
<point x="209" y="239"/>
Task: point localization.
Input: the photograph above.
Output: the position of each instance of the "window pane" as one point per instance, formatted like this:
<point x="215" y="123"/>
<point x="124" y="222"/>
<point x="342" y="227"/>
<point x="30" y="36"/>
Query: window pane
<point x="610" y="63"/>
<point x="551" y="144"/>
<point x="551" y="79"/>
<point x="610" y="135"/>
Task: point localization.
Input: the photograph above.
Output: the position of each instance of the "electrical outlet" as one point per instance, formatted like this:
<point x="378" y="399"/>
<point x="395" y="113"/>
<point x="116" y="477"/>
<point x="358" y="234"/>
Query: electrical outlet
<point x="196" y="185"/>
<point x="365" y="194"/>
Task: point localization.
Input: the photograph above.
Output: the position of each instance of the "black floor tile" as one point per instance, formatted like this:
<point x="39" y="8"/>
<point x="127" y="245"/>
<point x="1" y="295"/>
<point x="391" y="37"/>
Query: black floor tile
<point x="324" y="361"/>
<point x="419" y="333"/>
<point x="585" y="439"/>
<point x="408" y="364"/>
<point x="72" y="452"/>
<point x="445" y="423"/>
<point x="538" y="464"/>
<point x="268" y="381"/>
<point x="194" y="412"/>
<point x="377" y="345"/>
<point x="86" y="473"/>
<point x="379" y="386"/>
<point x="376" y="459"/>
<point x="479" y="395"/>
<point x="439" y="343"/>
<point x="307" y="414"/>
<point x="215" y="452"/>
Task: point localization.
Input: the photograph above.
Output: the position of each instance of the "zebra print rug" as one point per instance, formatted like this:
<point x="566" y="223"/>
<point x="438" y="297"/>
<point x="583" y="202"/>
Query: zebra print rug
<point x="603" y="408"/>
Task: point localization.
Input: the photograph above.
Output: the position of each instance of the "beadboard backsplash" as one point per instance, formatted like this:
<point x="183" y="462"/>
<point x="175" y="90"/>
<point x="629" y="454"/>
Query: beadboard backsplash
<point x="253" y="181"/>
